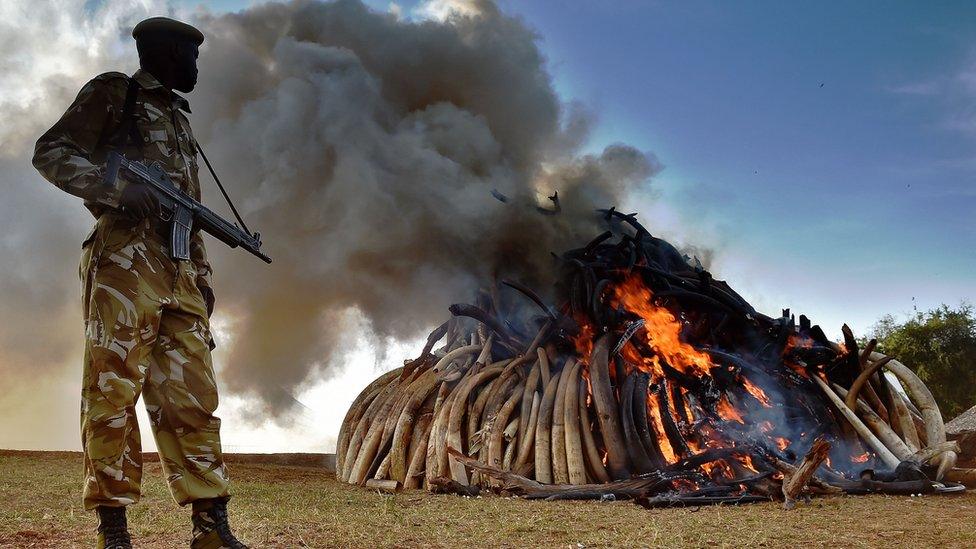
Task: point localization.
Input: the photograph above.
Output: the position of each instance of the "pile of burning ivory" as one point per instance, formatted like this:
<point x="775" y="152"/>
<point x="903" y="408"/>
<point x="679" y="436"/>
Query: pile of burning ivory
<point x="649" y="380"/>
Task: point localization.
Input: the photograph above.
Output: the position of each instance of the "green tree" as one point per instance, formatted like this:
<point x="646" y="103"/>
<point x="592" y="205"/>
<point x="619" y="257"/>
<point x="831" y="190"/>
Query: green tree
<point x="940" y="345"/>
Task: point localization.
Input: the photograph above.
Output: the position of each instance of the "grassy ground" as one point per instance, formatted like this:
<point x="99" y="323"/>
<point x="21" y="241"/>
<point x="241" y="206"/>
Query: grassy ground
<point x="280" y="506"/>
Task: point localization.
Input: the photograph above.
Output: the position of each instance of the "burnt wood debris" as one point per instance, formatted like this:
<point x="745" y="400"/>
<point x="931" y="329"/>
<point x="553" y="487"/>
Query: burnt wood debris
<point x="644" y="379"/>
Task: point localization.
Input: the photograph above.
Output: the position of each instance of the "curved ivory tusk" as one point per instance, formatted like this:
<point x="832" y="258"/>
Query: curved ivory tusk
<point x="458" y="408"/>
<point x="362" y="429"/>
<point x="934" y="425"/>
<point x="560" y="471"/>
<point x="879" y="448"/>
<point x="356" y="411"/>
<point x="590" y="451"/>
<point x="575" y="468"/>
<point x="418" y="455"/>
<point x="543" y="433"/>
<point x="929" y="453"/>
<point x="527" y="438"/>
<point x="881" y="429"/>
<point x="498" y="425"/>
<point x="607" y="409"/>
<point x="855" y="390"/>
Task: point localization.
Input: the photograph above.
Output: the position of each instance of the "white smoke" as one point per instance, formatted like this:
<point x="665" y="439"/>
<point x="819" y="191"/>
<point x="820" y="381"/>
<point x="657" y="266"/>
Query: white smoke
<point x="365" y="146"/>
<point x="368" y="148"/>
<point x="441" y="10"/>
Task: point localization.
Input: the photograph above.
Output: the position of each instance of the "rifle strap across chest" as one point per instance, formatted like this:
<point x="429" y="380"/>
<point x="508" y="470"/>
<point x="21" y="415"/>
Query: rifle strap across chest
<point x="127" y="130"/>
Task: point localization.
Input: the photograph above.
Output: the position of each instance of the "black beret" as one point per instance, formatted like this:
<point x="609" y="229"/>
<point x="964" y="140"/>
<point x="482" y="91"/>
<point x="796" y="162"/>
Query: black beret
<point x="165" y="26"/>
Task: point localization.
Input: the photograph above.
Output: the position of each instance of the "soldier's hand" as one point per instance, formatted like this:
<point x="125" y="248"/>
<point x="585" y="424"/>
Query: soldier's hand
<point x="138" y="201"/>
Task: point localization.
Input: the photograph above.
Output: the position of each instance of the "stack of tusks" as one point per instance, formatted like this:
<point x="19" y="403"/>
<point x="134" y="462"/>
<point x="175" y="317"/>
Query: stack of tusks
<point x="909" y="425"/>
<point x="401" y="426"/>
<point x="532" y="416"/>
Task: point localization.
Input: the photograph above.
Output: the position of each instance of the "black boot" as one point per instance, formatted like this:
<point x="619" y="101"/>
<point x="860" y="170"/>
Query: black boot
<point x="113" y="532"/>
<point x="210" y="527"/>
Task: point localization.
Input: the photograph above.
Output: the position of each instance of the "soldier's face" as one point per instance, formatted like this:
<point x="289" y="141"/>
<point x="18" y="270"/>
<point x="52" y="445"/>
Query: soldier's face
<point x="186" y="55"/>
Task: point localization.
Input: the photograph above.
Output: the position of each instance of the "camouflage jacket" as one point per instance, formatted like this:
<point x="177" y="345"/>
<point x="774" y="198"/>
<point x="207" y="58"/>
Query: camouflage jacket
<point x="71" y="154"/>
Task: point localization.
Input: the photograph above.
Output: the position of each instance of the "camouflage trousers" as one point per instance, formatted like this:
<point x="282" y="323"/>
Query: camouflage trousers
<point x="146" y="333"/>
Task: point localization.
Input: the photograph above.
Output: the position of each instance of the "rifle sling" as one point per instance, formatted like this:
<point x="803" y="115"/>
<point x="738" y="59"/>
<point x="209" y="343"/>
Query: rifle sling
<point x="221" y="187"/>
<point x="127" y="129"/>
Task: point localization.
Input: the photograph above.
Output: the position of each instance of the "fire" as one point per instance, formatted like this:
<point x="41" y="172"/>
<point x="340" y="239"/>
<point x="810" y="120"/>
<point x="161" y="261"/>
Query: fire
<point x="756" y="392"/>
<point x="659" y="344"/>
<point x="746" y="461"/>
<point x="662" y="439"/>
<point x="650" y="364"/>
<point x="584" y="341"/>
<point x="673" y="407"/>
<point x="718" y="468"/>
<point x="726" y="403"/>
<point x="661" y="329"/>
<point x="684" y="400"/>
<point x="799" y="369"/>
<point x="796" y="340"/>
<point x="727" y="411"/>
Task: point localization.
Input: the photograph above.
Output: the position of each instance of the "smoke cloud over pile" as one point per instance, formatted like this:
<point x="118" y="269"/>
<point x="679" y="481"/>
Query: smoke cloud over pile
<point x="367" y="149"/>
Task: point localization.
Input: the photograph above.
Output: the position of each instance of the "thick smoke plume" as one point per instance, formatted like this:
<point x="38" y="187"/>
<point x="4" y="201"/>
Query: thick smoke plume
<point x="367" y="149"/>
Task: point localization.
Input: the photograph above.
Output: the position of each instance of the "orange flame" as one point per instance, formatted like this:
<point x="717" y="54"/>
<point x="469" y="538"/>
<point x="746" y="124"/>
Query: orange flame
<point x="796" y="340"/>
<point x="755" y="391"/>
<point x="662" y="439"/>
<point x="662" y="329"/>
<point x="782" y="443"/>
<point x="584" y="341"/>
<point x="746" y="461"/>
<point x="718" y="469"/>
<point x="727" y="411"/>
<point x="861" y="458"/>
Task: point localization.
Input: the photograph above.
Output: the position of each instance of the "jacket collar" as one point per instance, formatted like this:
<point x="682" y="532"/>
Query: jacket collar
<point x="148" y="82"/>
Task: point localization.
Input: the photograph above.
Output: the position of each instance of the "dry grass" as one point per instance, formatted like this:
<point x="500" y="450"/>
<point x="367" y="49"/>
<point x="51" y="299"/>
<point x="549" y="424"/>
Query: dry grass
<point x="278" y="506"/>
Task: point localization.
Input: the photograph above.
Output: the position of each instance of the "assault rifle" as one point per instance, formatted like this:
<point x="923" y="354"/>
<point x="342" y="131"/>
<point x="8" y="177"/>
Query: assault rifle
<point x="181" y="209"/>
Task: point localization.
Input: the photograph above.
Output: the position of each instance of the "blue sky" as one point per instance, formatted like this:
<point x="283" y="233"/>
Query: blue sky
<point x="877" y="163"/>
<point x="827" y="153"/>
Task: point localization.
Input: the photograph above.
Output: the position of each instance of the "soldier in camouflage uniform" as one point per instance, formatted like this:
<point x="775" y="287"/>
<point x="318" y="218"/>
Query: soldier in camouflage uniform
<point x="147" y="329"/>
